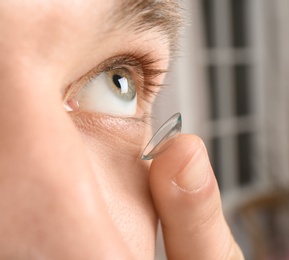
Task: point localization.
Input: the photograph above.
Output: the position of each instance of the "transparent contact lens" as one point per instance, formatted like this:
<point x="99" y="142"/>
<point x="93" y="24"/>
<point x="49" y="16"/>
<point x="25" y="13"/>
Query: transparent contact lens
<point x="164" y="137"/>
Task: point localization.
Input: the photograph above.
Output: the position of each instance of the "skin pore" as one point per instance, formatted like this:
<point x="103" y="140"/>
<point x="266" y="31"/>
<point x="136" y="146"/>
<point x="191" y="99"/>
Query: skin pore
<point x="72" y="185"/>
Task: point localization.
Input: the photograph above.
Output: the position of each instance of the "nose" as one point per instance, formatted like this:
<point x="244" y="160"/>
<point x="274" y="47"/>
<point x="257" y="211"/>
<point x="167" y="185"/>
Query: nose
<point x="46" y="189"/>
<point x="38" y="140"/>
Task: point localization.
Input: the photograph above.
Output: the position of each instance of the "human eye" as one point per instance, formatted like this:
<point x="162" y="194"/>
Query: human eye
<point x="112" y="92"/>
<point x="119" y="86"/>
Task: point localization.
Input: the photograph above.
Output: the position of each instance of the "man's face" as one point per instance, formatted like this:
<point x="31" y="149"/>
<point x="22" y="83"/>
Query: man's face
<point x="77" y="84"/>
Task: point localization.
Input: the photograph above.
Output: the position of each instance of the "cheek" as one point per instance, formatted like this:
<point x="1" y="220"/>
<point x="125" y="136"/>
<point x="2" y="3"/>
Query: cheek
<point x="123" y="182"/>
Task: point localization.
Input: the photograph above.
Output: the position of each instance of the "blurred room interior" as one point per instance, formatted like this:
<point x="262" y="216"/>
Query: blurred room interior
<point x="230" y="84"/>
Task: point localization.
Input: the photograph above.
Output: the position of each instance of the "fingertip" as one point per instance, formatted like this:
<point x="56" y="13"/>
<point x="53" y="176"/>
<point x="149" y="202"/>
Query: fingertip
<point x="182" y="177"/>
<point x="177" y="156"/>
<point x="187" y="199"/>
<point x="184" y="166"/>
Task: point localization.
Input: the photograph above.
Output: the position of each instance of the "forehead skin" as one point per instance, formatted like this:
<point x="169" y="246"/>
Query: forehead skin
<point x="83" y="28"/>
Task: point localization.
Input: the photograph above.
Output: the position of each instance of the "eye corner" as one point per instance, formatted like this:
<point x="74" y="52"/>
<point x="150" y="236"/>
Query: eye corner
<point x="140" y="71"/>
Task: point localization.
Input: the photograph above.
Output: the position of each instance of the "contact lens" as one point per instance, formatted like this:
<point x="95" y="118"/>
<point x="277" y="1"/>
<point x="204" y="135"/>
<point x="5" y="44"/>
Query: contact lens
<point x="164" y="137"/>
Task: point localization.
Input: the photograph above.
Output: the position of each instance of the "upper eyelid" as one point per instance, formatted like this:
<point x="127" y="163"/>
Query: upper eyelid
<point x="140" y="64"/>
<point x="116" y="62"/>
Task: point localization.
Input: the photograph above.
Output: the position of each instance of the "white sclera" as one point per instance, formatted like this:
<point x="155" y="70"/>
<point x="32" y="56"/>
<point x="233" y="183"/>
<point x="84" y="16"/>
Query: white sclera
<point x="164" y="137"/>
<point x="99" y="97"/>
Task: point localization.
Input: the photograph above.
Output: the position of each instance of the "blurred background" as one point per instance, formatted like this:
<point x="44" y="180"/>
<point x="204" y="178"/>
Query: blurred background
<point x="230" y="84"/>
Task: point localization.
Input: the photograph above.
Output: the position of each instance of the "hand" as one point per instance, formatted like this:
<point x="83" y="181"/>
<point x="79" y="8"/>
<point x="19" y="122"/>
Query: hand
<point x="187" y="199"/>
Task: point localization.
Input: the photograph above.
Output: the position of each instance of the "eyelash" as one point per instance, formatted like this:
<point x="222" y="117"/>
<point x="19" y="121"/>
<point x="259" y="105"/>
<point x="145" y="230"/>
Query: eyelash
<point x="143" y="66"/>
<point x="140" y="65"/>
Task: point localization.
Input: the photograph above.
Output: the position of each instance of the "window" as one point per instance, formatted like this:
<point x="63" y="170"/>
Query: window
<point x="230" y="69"/>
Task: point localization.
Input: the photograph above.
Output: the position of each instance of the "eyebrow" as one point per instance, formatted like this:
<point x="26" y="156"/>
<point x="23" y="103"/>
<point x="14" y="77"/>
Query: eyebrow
<point x="162" y="16"/>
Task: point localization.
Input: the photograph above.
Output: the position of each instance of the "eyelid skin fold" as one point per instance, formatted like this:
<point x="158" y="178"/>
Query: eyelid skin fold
<point x="142" y="66"/>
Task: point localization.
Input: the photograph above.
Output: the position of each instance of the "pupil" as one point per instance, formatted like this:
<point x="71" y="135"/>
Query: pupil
<point x="115" y="79"/>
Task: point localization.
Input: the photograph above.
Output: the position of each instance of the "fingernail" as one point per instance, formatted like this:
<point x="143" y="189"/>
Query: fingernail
<point x="194" y="173"/>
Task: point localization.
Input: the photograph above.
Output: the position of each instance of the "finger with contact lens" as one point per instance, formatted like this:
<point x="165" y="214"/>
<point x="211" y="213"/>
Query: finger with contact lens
<point x="187" y="199"/>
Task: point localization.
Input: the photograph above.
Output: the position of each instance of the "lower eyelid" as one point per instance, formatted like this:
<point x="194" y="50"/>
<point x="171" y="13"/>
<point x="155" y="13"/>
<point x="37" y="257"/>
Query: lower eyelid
<point x="130" y="129"/>
<point x="121" y="136"/>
